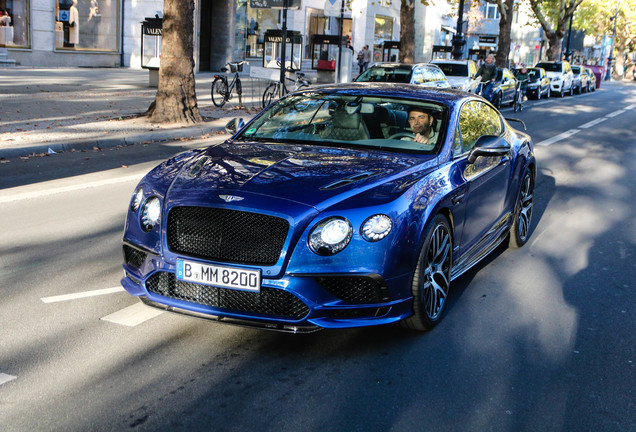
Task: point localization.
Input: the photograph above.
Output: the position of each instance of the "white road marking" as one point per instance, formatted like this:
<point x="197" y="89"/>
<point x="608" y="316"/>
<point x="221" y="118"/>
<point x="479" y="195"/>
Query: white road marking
<point x="593" y="123"/>
<point x="615" y="113"/>
<point x="80" y="295"/>
<point x="630" y="107"/>
<point x="5" y="378"/>
<point x="133" y="315"/>
<point x="558" y="137"/>
<point x="71" y="188"/>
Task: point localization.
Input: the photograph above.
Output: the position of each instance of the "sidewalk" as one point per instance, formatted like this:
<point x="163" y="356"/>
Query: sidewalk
<point x="45" y="110"/>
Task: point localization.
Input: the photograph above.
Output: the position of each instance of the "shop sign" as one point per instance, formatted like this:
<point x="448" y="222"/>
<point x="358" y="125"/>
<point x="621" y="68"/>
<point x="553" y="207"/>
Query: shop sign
<point x="274" y="4"/>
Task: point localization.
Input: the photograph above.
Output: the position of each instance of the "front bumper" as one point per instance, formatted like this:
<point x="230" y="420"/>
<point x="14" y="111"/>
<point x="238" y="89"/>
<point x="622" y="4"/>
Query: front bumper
<point x="294" y="303"/>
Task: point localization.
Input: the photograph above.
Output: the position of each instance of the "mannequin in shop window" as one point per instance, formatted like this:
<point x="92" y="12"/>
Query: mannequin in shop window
<point x="73" y="23"/>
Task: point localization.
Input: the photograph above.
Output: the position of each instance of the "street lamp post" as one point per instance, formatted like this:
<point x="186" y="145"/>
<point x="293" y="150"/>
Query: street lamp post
<point x="610" y="59"/>
<point x="458" y="37"/>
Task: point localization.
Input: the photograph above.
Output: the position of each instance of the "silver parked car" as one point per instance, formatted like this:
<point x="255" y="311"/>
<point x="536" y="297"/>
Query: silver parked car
<point x="422" y="73"/>
<point x="561" y="76"/>
<point x="459" y="73"/>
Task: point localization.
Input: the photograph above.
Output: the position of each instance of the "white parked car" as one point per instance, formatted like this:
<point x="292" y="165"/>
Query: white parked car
<point x="459" y="73"/>
<point x="561" y="76"/>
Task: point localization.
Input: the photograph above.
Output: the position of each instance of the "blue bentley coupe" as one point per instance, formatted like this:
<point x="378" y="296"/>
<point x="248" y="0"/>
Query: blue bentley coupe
<point x="335" y="207"/>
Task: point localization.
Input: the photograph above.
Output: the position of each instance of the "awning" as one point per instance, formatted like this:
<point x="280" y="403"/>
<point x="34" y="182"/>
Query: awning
<point x="449" y="29"/>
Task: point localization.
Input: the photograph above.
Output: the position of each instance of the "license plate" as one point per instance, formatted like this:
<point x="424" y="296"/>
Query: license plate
<point x="219" y="276"/>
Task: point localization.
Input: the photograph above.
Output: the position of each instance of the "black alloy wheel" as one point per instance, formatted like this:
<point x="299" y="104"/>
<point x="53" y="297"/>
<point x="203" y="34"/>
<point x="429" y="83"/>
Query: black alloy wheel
<point x="520" y="229"/>
<point x="431" y="278"/>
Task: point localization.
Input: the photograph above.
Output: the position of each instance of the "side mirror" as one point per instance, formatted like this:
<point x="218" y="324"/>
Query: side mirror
<point x="488" y="146"/>
<point x="234" y="125"/>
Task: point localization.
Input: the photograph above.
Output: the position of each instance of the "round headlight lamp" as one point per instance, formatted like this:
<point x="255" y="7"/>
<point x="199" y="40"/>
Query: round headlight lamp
<point x="330" y="236"/>
<point x="137" y="199"/>
<point x="150" y="213"/>
<point x="376" y="227"/>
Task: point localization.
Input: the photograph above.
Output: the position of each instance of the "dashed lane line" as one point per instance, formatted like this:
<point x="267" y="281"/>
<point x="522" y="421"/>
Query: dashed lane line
<point x="587" y="125"/>
<point x="5" y="378"/>
<point x="133" y="315"/>
<point x="79" y="295"/>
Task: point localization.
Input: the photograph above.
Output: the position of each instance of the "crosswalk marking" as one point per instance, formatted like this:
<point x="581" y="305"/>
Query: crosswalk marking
<point x="133" y="315"/>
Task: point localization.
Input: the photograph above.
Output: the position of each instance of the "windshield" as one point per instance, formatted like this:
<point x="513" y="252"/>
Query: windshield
<point x="350" y="121"/>
<point x="452" y="69"/>
<point x="550" y="67"/>
<point x="399" y="74"/>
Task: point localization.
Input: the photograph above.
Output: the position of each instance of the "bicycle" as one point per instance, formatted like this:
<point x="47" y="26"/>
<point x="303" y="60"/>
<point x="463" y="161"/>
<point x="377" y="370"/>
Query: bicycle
<point x="276" y="89"/>
<point x="520" y="95"/>
<point x="221" y="91"/>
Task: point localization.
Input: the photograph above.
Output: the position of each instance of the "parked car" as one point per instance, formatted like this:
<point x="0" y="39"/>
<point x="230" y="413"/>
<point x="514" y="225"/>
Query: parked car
<point x="538" y="84"/>
<point x="504" y="89"/>
<point x="581" y="79"/>
<point x="422" y="73"/>
<point x="459" y="73"/>
<point x="323" y="212"/>
<point x="592" y="78"/>
<point x="561" y="77"/>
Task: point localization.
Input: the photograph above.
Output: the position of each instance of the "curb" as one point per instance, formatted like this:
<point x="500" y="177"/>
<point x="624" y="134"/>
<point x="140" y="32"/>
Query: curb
<point x="192" y="132"/>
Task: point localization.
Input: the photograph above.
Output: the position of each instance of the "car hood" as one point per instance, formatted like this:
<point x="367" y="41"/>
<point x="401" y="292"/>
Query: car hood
<point x="310" y="175"/>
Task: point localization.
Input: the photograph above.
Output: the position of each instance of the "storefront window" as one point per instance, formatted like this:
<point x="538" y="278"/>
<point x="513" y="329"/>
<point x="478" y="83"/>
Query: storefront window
<point x="259" y="21"/>
<point x="383" y="32"/>
<point x="87" y="24"/>
<point x="14" y="23"/>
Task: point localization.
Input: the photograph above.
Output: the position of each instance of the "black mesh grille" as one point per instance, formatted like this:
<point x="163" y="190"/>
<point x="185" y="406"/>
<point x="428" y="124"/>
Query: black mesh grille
<point x="134" y="257"/>
<point x="355" y="289"/>
<point x="268" y="301"/>
<point x="226" y="235"/>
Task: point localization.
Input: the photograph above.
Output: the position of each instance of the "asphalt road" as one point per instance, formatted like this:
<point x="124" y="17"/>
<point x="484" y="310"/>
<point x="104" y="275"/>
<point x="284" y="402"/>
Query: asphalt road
<point x="536" y="339"/>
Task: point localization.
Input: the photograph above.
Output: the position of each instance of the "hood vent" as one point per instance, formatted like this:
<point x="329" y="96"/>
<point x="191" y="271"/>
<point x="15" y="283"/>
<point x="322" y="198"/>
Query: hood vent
<point x="349" y="180"/>
<point x="197" y="167"/>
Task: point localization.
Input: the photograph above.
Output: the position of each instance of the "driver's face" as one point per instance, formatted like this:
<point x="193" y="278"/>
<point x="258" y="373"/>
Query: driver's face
<point x="420" y="122"/>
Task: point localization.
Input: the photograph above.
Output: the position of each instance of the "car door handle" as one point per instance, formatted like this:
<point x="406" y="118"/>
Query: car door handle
<point x="457" y="199"/>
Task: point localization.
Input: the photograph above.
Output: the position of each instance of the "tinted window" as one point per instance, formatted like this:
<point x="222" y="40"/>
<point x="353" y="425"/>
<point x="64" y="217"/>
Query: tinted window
<point x="451" y="69"/>
<point x="550" y="67"/>
<point x="386" y="74"/>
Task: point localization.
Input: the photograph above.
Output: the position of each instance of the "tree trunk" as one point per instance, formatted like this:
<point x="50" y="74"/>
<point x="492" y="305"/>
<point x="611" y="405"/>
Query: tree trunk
<point x="554" y="45"/>
<point x="407" y="31"/>
<point x="176" y="100"/>
<point x="505" y="24"/>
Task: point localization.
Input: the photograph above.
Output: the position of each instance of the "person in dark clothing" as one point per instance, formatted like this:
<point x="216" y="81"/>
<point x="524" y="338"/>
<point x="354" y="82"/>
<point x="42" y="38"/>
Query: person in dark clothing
<point x="488" y="74"/>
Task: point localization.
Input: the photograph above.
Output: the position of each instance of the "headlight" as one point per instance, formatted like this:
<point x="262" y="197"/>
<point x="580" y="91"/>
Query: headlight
<point x="330" y="236"/>
<point x="136" y="200"/>
<point x="150" y="213"/>
<point x="376" y="227"/>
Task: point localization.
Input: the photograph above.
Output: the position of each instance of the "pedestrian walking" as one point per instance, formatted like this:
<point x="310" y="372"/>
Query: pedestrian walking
<point x="366" y="56"/>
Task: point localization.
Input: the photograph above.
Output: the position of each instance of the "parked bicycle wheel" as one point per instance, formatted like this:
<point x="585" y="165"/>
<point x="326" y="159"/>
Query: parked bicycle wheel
<point x="239" y="91"/>
<point x="269" y="95"/>
<point x="219" y="91"/>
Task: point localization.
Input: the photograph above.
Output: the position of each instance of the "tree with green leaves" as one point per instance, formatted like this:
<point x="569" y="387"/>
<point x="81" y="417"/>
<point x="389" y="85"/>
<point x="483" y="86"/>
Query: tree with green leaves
<point x="553" y="15"/>
<point x="176" y="100"/>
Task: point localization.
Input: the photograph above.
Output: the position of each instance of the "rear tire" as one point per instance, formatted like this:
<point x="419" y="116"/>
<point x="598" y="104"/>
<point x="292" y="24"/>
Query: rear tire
<point x="219" y="91"/>
<point x="270" y="94"/>
<point x="431" y="278"/>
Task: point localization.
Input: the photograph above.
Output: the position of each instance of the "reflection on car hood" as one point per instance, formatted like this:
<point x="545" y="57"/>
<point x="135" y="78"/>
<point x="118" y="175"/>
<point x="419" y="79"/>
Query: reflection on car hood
<point x="304" y="174"/>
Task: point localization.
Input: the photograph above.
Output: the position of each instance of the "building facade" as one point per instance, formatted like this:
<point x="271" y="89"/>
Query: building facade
<point x="108" y="33"/>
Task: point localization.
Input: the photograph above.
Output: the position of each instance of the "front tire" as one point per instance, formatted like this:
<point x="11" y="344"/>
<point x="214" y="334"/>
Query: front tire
<point x="520" y="229"/>
<point x="219" y="91"/>
<point x="431" y="278"/>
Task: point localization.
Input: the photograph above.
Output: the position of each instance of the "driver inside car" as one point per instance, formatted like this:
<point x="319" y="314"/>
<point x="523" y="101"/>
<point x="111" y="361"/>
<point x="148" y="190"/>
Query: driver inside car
<point x="421" y="123"/>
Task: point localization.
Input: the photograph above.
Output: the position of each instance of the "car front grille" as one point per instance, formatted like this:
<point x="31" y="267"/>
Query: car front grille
<point x="355" y="289"/>
<point x="224" y="235"/>
<point x="134" y="257"/>
<point x="268" y="301"/>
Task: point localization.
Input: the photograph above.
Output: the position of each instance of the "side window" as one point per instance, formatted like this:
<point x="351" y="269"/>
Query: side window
<point x="475" y="120"/>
